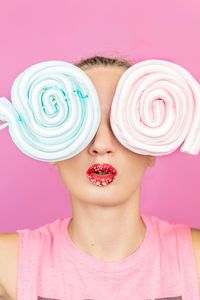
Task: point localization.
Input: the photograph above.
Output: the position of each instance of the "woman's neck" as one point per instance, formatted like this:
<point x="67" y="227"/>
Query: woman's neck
<point x="108" y="233"/>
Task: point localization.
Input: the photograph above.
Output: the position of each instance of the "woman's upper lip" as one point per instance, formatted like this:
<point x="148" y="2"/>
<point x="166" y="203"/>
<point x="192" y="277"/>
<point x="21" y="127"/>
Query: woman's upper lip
<point x="102" y="167"/>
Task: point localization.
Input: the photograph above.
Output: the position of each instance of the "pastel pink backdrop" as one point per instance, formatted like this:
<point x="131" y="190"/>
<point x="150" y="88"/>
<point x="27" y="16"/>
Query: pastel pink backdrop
<point x="31" y="192"/>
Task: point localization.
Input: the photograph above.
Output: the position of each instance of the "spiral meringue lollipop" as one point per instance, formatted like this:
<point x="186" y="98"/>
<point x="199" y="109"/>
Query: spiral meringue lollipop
<point x="156" y="108"/>
<point x="55" y="111"/>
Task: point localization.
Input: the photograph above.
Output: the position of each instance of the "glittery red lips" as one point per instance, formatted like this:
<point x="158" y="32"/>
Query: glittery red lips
<point x="95" y="175"/>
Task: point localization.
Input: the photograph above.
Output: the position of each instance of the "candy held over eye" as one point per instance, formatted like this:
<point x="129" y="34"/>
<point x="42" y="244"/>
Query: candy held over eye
<point x="47" y="121"/>
<point x="156" y="108"/>
<point x="55" y="110"/>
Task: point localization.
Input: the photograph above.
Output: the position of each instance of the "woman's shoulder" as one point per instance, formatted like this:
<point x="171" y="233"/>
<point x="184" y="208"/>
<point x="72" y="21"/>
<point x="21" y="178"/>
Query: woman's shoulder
<point x="9" y="247"/>
<point x="181" y="233"/>
<point x="163" y="224"/>
<point x="48" y="228"/>
<point x="196" y="246"/>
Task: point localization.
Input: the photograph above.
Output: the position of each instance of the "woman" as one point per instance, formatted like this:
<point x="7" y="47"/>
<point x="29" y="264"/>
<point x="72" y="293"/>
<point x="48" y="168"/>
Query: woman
<point x="107" y="249"/>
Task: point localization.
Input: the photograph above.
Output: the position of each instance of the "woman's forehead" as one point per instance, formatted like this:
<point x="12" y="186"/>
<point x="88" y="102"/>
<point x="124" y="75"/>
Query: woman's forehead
<point x="105" y="79"/>
<point x="99" y="73"/>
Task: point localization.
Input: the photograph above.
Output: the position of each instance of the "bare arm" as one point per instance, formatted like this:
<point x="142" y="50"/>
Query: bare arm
<point x="9" y="244"/>
<point x="196" y="246"/>
<point x="3" y="294"/>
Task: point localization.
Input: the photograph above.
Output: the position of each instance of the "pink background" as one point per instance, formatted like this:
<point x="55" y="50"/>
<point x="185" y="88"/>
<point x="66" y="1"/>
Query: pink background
<point x="31" y="192"/>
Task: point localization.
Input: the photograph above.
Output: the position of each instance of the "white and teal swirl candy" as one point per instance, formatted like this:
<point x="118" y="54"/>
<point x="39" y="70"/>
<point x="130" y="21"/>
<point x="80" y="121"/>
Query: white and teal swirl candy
<point x="55" y="110"/>
<point x="54" y="113"/>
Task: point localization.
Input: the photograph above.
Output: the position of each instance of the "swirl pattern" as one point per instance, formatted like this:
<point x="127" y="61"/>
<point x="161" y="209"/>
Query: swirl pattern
<point x="156" y="108"/>
<point x="55" y="111"/>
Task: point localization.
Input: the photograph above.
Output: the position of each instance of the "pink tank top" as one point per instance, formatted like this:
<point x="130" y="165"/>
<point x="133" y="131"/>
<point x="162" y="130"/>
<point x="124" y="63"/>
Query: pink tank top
<point x="52" y="267"/>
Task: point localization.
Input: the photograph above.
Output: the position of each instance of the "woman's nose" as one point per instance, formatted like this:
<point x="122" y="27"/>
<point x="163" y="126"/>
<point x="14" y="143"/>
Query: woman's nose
<point x="103" y="142"/>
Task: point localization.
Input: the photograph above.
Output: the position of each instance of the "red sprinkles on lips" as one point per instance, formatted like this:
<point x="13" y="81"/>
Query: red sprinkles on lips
<point x="101" y="175"/>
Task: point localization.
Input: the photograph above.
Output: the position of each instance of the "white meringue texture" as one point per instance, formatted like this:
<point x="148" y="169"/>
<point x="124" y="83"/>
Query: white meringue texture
<point x="55" y="110"/>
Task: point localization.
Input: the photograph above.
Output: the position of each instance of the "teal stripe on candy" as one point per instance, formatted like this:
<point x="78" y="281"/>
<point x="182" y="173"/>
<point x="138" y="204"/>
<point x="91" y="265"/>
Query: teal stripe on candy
<point x="54" y="113"/>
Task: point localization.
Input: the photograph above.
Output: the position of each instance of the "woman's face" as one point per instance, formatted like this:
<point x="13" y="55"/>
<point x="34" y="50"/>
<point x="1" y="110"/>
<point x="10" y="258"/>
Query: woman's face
<point x="105" y="148"/>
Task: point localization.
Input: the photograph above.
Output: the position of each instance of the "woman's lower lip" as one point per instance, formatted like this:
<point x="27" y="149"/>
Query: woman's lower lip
<point x="101" y="179"/>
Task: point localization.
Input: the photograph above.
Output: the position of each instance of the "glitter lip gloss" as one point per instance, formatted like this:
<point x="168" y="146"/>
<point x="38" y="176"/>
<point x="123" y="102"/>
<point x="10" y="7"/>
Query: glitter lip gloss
<point x="101" y="175"/>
